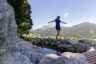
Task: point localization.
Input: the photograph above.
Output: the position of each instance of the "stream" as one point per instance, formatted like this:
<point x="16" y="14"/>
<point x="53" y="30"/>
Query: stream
<point x="50" y="51"/>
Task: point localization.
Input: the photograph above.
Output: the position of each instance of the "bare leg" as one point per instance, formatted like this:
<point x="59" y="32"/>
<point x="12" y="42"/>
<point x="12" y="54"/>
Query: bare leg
<point x="56" y="37"/>
<point x="57" y="34"/>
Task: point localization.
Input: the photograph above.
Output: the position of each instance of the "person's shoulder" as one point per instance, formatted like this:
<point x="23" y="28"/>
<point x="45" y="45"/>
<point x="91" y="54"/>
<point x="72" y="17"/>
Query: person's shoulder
<point x="60" y="20"/>
<point x="55" y="20"/>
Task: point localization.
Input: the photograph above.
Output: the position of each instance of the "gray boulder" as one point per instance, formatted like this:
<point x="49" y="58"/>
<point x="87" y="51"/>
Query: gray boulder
<point x="14" y="50"/>
<point x="68" y="41"/>
<point x="8" y="32"/>
<point x="8" y="27"/>
<point x="76" y="58"/>
<point x="49" y="59"/>
<point x="83" y="41"/>
<point x="65" y="58"/>
<point x="79" y="47"/>
<point x="26" y="48"/>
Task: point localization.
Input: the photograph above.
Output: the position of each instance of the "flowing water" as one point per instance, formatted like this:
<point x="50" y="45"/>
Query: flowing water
<point x="50" y="51"/>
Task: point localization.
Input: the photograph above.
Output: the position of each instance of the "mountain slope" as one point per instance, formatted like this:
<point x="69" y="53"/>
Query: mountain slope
<point x="82" y="30"/>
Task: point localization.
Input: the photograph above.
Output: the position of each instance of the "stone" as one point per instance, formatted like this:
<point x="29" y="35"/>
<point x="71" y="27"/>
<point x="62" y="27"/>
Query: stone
<point x="8" y="33"/>
<point x="32" y="52"/>
<point x="62" y="60"/>
<point x="93" y="44"/>
<point x="8" y="27"/>
<point x="70" y="49"/>
<point x="79" y="47"/>
<point x="48" y="59"/>
<point x="54" y="43"/>
<point x="65" y="58"/>
<point x="46" y="42"/>
<point x="36" y="41"/>
<point x="92" y="49"/>
<point x="14" y="50"/>
<point x="73" y="42"/>
<point x="65" y="46"/>
<point x="75" y="57"/>
<point x="84" y="41"/>
<point x="21" y="59"/>
<point x="65" y="41"/>
<point x="68" y="41"/>
<point x="7" y="57"/>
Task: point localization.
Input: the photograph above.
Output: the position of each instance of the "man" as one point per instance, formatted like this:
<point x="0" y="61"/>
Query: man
<point x="58" y="28"/>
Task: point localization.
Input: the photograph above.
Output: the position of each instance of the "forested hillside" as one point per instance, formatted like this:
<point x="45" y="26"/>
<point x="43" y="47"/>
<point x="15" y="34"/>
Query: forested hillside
<point x="83" y="30"/>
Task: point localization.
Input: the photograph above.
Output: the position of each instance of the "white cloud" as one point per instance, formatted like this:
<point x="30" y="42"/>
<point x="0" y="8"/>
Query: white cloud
<point x="66" y="14"/>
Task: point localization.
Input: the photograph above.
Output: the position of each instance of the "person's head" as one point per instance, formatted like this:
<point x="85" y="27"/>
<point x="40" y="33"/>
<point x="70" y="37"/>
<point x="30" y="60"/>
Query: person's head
<point x="58" y="17"/>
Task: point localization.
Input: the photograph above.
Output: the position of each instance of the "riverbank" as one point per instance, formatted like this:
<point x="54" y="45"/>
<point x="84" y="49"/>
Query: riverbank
<point x="65" y="45"/>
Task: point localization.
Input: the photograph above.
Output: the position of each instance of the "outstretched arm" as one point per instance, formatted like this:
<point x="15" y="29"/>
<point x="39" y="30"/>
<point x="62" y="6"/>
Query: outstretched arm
<point x="51" y="21"/>
<point x="63" y="22"/>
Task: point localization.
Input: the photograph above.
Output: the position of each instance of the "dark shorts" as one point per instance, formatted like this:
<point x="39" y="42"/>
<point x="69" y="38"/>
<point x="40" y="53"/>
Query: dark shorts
<point x="58" y="28"/>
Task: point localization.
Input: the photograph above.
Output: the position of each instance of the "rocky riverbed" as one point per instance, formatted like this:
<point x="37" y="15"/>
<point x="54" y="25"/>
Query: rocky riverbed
<point x="31" y="54"/>
<point x="65" y="45"/>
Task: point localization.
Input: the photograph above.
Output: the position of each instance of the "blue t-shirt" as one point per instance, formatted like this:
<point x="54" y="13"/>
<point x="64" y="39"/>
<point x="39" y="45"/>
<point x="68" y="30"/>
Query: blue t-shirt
<point x="58" y="22"/>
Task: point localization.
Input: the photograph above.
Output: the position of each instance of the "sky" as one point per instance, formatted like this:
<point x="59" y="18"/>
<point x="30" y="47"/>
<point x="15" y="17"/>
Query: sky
<point x="71" y="11"/>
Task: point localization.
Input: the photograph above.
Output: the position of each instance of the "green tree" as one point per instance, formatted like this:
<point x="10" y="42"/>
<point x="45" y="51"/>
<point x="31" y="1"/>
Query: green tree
<point x="22" y="11"/>
<point x="27" y="25"/>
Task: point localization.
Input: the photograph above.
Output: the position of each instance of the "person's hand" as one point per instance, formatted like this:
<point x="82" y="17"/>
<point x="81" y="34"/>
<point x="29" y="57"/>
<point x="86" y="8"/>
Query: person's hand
<point x="51" y="21"/>
<point x="65" y="23"/>
<point x="48" y="22"/>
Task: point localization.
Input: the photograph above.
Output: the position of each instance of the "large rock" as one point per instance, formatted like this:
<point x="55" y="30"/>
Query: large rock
<point x="79" y="47"/>
<point x="68" y="41"/>
<point x="72" y="42"/>
<point x="8" y="27"/>
<point x="75" y="57"/>
<point x="14" y="50"/>
<point x="21" y="59"/>
<point x="10" y="50"/>
<point x="8" y="32"/>
<point x="83" y="41"/>
<point x="65" y="58"/>
<point x="64" y="46"/>
<point x="33" y="53"/>
<point x="49" y="59"/>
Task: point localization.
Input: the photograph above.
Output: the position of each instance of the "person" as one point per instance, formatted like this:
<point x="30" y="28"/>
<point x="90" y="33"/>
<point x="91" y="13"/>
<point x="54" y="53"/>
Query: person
<point x="58" y="28"/>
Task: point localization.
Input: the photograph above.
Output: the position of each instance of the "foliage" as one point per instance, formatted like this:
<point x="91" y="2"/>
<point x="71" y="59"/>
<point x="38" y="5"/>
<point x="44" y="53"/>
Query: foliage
<point x="31" y="36"/>
<point x="64" y="37"/>
<point x="22" y="15"/>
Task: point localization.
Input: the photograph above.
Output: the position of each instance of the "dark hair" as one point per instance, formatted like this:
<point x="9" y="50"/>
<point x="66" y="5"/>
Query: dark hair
<point x="58" y="17"/>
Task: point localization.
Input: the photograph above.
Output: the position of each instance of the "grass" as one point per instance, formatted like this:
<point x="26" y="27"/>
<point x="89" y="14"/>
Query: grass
<point x="32" y="36"/>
